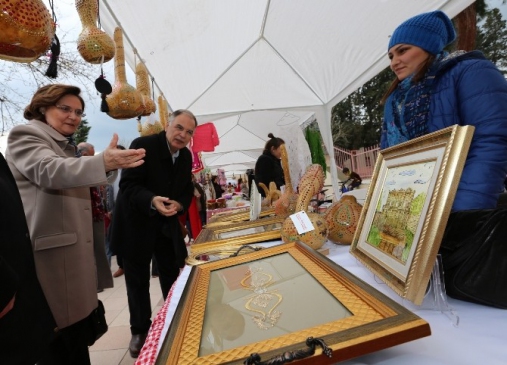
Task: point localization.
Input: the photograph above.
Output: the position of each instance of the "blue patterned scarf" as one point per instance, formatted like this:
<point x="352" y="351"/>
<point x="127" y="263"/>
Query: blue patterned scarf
<point x="407" y="108"/>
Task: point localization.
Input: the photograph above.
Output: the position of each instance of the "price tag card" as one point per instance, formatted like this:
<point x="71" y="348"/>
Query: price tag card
<point x="302" y="222"/>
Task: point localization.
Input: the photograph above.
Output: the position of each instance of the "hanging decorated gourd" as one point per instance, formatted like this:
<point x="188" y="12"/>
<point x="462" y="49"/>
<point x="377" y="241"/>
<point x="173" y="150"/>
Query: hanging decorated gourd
<point x="288" y="200"/>
<point x="143" y="86"/>
<point x="26" y="30"/>
<point x="125" y="101"/>
<point x="310" y="184"/>
<point x="93" y="44"/>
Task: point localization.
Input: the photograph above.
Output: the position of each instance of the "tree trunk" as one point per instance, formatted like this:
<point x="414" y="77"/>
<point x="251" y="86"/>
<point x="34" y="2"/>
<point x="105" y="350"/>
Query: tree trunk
<point x="466" y="24"/>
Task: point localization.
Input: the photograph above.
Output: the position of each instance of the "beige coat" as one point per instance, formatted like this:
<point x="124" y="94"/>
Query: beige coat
<point x="54" y="187"/>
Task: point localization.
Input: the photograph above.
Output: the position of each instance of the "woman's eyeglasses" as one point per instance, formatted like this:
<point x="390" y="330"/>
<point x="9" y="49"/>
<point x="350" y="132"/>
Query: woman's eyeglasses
<point x="68" y="110"/>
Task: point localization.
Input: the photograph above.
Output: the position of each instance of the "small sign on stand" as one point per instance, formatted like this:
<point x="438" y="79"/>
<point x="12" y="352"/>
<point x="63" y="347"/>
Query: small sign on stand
<point x="255" y="202"/>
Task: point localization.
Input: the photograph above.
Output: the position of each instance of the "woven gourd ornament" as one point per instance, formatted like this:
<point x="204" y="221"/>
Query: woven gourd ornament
<point x="93" y="44"/>
<point x="288" y="200"/>
<point x="125" y="101"/>
<point x="163" y="111"/>
<point x="148" y="128"/>
<point x="272" y="193"/>
<point x="26" y="30"/>
<point x="143" y="86"/>
<point x="310" y="184"/>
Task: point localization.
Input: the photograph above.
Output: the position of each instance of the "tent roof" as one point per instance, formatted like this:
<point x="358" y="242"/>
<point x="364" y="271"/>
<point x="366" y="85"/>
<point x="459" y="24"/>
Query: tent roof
<point x="230" y="57"/>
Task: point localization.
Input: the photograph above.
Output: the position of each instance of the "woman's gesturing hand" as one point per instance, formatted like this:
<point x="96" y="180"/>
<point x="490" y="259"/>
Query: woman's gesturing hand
<point x="115" y="158"/>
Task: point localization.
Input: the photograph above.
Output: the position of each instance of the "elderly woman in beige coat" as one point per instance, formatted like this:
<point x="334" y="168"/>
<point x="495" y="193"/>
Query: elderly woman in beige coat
<point x="54" y="185"/>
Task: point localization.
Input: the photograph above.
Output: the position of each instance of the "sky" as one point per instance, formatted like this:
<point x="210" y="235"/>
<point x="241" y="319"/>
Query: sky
<point x="103" y="126"/>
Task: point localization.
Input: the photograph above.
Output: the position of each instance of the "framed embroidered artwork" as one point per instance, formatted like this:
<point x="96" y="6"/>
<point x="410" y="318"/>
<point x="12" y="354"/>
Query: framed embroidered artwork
<point x="239" y="233"/>
<point x="287" y="301"/>
<point x="226" y="218"/>
<point x="407" y="206"/>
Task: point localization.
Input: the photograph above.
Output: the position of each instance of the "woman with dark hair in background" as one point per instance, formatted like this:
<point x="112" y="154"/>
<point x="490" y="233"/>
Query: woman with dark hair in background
<point x="268" y="167"/>
<point x="218" y="188"/>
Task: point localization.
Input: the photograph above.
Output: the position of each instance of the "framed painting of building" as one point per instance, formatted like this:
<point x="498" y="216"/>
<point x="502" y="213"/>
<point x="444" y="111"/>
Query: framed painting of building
<point x="407" y="207"/>
<point x="287" y="301"/>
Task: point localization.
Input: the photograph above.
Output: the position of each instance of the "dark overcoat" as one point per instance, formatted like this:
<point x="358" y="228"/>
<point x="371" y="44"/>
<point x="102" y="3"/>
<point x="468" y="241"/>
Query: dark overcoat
<point x="136" y="225"/>
<point x="27" y="329"/>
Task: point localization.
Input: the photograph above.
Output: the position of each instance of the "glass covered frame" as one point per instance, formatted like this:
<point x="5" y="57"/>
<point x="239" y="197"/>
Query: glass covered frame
<point x="367" y="321"/>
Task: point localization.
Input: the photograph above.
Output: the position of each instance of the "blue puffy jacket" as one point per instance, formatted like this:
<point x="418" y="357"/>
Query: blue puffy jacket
<point x="470" y="90"/>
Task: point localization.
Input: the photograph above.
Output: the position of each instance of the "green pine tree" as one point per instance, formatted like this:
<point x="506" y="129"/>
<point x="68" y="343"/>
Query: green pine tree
<point x="492" y="39"/>
<point x="356" y="120"/>
<point x="81" y="134"/>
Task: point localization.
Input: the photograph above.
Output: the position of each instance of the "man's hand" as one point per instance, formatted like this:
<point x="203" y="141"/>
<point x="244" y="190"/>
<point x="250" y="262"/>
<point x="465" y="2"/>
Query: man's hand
<point x="115" y="159"/>
<point x="166" y="206"/>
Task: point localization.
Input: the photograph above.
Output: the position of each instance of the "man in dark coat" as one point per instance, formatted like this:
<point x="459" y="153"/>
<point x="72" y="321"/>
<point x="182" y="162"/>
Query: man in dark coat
<point x="145" y="222"/>
<point x="26" y="323"/>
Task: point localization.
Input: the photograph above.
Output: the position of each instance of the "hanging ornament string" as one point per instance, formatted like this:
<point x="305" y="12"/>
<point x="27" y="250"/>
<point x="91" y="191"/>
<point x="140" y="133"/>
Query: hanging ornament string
<point x="2" y="116"/>
<point x="98" y="15"/>
<point x="52" y="70"/>
<point x="152" y="88"/>
<point x="103" y="87"/>
<point x="135" y="64"/>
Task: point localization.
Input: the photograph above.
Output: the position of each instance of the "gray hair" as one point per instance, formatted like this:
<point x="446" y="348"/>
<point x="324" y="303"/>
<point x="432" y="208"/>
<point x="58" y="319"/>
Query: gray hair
<point x="182" y="111"/>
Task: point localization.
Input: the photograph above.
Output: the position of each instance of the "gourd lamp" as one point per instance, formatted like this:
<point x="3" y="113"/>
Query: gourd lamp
<point x="93" y="44"/>
<point x="26" y="30"/>
<point x="125" y="102"/>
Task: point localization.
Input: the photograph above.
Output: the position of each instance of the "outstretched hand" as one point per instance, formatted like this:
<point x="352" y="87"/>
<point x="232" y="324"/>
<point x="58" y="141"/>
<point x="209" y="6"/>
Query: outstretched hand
<point x="115" y="158"/>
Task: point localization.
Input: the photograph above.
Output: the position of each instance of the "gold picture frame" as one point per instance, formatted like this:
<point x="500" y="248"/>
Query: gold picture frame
<point x="407" y="206"/>
<point x="226" y="218"/>
<point x="239" y="233"/>
<point x="218" y="253"/>
<point x="273" y="302"/>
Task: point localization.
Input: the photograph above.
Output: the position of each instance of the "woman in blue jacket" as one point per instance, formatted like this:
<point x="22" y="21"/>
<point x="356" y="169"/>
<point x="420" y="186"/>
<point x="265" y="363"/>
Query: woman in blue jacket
<point x="434" y="90"/>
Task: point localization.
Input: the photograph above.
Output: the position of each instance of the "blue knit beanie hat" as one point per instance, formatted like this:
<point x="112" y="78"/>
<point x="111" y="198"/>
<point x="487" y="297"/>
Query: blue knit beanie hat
<point x="429" y="31"/>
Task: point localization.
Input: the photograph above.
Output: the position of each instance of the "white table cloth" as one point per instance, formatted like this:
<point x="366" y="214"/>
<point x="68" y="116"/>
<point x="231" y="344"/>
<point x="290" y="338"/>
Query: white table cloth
<point x="479" y="339"/>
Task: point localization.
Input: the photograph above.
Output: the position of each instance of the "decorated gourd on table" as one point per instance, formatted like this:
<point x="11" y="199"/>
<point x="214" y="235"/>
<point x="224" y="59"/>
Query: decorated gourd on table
<point x="26" y="30"/>
<point x="310" y="184"/>
<point x="125" y="101"/>
<point x="143" y="86"/>
<point x="288" y="200"/>
<point x="93" y="44"/>
<point x="272" y="193"/>
<point x="341" y="218"/>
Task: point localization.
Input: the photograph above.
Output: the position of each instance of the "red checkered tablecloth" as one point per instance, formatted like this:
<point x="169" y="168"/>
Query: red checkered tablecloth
<point x="162" y="320"/>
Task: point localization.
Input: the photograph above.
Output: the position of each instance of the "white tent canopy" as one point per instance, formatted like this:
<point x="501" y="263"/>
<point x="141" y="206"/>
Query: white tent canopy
<point x="243" y="137"/>
<point x="230" y="57"/>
